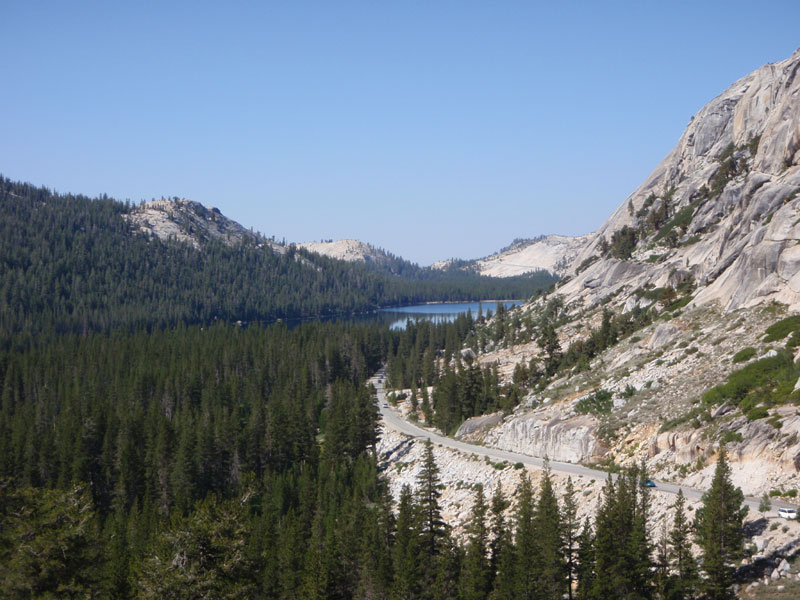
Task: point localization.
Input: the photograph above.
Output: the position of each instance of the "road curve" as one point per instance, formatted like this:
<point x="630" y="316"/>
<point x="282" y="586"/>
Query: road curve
<point x="391" y="418"/>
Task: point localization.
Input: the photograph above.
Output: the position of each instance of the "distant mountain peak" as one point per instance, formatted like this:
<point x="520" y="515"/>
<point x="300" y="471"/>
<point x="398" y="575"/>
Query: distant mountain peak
<point x="347" y="250"/>
<point x="551" y="253"/>
<point x="191" y="222"/>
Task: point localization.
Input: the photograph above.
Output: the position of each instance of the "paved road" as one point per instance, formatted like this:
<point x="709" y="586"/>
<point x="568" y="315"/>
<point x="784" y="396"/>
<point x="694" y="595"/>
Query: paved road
<point x="392" y="418"/>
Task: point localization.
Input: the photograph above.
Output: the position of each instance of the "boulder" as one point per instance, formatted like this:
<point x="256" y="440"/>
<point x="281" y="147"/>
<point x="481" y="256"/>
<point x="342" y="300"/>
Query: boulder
<point x="662" y="335"/>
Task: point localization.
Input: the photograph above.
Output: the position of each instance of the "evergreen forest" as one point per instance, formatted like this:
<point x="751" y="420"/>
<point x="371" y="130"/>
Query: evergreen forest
<point x="69" y="263"/>
<point x="159" y="438"/>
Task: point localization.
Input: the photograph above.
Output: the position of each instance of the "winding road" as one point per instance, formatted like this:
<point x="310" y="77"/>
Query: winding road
<point x="392" y="419"/>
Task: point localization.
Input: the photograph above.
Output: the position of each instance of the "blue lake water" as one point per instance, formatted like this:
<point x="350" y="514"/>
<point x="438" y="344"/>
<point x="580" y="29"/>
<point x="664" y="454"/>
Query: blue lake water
<point x="439" y="312"/>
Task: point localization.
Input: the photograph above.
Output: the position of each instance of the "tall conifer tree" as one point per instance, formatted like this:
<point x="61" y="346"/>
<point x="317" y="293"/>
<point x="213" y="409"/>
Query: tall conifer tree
<point x="718" y="527"/>
<point x="475" y="572"/>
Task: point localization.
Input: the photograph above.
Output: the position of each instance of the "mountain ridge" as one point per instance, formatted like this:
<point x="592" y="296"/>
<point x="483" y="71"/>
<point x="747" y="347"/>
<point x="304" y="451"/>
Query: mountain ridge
<point x="349" y="250"/>
<point x="716" y="209"/>
<point x="675" y="328"/>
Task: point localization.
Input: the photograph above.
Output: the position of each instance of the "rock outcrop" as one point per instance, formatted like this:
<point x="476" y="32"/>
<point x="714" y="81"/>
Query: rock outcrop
<point x="717" y="226"/>
<point x="552" y="253"/>
<point x="722" y="207"/>
<point x="347" y="250"/>
<point x="548" y="433"/>
<point x="191" y="222"/>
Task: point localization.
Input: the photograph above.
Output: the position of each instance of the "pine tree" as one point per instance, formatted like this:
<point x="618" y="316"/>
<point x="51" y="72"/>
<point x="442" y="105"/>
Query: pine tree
<point x="718" y="526"/>
<point x="527" y="558"/>
<point x="552" y="569"/>
<point x="49" y="544"/>
<point x="570" y="525"/>
<point x="405" y="552"/>
<point x="663" y="579"/>
<point x="680" y="553"/>
<point x="501" y="562"/>
<point x="447" y="568"/>
<point x="202" y="555"/>
<point x="431" y="525"/>
<point x="606" y="545"/>
<point x="640" y="548"/>
<point x="585" y="569"/>
<point x="475" y="573"/>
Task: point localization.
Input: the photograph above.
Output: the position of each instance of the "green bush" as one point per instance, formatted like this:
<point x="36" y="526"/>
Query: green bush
<point x="681" y="220"/>
<point x="678" y="304"/>
<point x="759" y="412"/>
<point x="729" y="437"/>
<point x="793" y="341"/>
<point x="766" y="381"/>
<point x="778" y="331"/>
<point x="744" y="355"/>
<point x="598" y="403"/>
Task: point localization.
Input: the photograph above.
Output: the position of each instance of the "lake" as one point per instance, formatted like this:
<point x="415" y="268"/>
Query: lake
<point x="396" y="318"/>
<point x="438" y="312"/>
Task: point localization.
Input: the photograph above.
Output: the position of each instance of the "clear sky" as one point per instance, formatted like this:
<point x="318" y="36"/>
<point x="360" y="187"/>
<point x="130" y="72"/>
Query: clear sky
<point x="432" y="129"/>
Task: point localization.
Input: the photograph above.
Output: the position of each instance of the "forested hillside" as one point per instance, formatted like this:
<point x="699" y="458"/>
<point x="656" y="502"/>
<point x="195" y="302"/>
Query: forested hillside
<point x="119" y="451"/>
<point x="75" y="264"/>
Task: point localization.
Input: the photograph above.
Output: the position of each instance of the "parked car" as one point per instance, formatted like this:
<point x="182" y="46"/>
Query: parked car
<point x="787" y="513"/>
<point x="649" y="483"/>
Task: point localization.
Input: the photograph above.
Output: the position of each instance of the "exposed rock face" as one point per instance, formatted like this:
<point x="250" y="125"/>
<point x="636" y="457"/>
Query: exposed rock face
<point x="734" y="178"/>
<point x="191" y="222"/>
<point x="729" y="198"/>
<point x="662" y="335"/>
<point x="547" y="433"/>
<point x="347" y="250"/>
<point x="551" y="253"/>
<point x="475" y="425"/>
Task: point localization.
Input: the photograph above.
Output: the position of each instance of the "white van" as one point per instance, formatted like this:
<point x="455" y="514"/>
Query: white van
<point x="787" y="513"/>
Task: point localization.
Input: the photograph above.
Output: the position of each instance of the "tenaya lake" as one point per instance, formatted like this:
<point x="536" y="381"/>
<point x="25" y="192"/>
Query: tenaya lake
<point x="438" y="312"/>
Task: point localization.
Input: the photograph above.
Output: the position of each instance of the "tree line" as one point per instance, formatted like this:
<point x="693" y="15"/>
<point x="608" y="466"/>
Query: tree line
<point x="69" y="263"/>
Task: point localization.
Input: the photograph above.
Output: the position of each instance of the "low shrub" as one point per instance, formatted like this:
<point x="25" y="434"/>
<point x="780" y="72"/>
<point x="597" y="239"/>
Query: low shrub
<point x="767" y="381"/>
<point x="744" y="355"/>
<point x="598" y="403"/>
<point x="678" y="304"/>
<point x="729" y="436"/>
<point x="778" y="331"/>
<point x="759" y="412"/>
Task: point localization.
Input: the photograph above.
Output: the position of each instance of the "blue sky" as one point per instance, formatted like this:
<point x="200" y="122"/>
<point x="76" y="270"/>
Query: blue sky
<point x="432" y="129"/>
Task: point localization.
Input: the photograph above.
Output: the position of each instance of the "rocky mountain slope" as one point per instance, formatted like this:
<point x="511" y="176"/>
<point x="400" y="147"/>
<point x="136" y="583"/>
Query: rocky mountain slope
<point x="553" y="253"/>
<point x="348" y="250"/>
<point x="710" y="243"/>
<point x="722" y="208"/>
<point x="677" y="292"/>
<point x="191" y="222"/>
